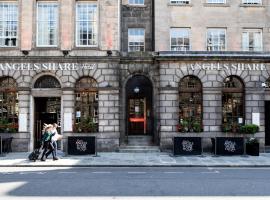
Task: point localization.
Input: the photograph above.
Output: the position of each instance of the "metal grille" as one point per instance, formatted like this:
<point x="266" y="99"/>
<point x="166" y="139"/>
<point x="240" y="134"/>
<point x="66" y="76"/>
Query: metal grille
<point x="47" y="81"/>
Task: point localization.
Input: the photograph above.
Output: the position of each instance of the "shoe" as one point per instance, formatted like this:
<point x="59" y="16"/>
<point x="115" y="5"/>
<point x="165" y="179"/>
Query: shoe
<point x="46" y="155"/>
<point x="55" y="158"/>
<point x="42" y="159"/>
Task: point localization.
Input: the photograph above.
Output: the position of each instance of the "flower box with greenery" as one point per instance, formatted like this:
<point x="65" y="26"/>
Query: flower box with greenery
<point x="249" y="129"/>
<point x="253" y="147"/>
<point x="8" y="127"/>
<point x="186" y="126"/>
<point x="86" y="125"/>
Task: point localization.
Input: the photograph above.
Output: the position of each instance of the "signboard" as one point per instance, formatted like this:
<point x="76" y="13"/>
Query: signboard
<point x="82" y="145"/>
<point x="256" y="119"/>
<point x="187" y="146"/>
<point x="67" y="121"/>
<point x="229" y="146"/>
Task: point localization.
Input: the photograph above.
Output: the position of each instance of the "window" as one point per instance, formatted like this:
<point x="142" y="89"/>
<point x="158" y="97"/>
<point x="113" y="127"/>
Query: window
<point x="135" y="39"/>
<point x="136" y="2"/>
<point x="180" y="39"/>
<point x="47" y="24"/>
<point x="267" y="83"/>
<point x="181" y="2"/>
<point x="190" y="104"/>
<point x="9" y="109"/>
<point x="86" y="106"/>
<point x="86" y="24"/>
<point x="252" y="1"/>
<point x="47" y="81"/>
<point x="252" y="40"/>
<point x="216" y="1"/>
<point x="216" y="40"/>
<point x="8" y="24"/>
<point x="232" y="104"/>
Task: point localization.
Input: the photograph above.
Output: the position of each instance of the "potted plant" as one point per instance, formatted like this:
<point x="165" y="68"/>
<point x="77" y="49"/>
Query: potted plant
<point x="226" y="128"/>
<point x="253" y="147"/>
<point x="184" y="125"/>
<point x="197" y="127"/>
<point x="249" y="129"/>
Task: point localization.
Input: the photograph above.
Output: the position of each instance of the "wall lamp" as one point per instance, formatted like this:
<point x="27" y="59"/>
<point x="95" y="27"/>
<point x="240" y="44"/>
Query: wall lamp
<point x="109" y="53"/>
<point x="65" y="52"/>
<point x="25" y="52"/>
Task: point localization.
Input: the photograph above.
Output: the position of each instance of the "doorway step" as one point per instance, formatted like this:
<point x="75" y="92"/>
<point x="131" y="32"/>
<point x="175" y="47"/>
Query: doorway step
<point x="139" y="144"/>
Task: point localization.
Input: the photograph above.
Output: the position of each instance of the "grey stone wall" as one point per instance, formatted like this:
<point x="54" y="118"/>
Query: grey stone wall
<point x="171" y="74"/>
<point x="136" y="17"/>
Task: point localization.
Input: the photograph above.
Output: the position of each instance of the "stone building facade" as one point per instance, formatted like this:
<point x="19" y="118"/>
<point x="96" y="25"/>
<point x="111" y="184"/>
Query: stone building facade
<point x="139" y="94"/>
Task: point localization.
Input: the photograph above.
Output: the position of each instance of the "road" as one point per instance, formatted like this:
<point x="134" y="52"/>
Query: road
<point x="132" y="182"/>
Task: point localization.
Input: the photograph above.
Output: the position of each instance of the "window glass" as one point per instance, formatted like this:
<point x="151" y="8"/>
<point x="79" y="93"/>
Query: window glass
<point x="252" y="40"/>
<point x="9" y="109"/>
<point x="216" y="40"/>
<point x="216" y="1"/>
<point x="232" y="104"/>
<point x="47" y="24"/>
<point x="252" y="1"/>
<point x="8" y="24"/>
<point x="180" y="39"/>
<point x="135" y="39"/>
<point x="86" y="105"/>
<point x="180" y="2"/>
<point x="86" y="24"/>
<point x="190" y="104"/>
<point x="136" y="2"/>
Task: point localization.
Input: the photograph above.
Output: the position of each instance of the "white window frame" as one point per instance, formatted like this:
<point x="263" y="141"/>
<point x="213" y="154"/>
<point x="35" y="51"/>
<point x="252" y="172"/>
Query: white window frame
<point x="133" y="2"/>
<point x="77" y="24"/>
<point x="180" y="2"/>
<point x="129" y="39"/>
<point x="252" y="2"/>
<point x="252" y="31"/>
<point x="57" y="24"/>
<point x="5" y="25"/>
<point x="216" y="1"/>
<point x="217" y="29"/>
<point x="189" y="37"/>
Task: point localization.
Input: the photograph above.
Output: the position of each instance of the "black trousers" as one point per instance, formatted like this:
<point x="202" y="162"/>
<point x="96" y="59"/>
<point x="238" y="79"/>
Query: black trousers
<point x="48" y="146"/>
<point x="52" y="149"/>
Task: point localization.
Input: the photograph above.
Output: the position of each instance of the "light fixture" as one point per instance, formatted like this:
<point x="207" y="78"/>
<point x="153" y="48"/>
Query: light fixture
<point x="136" y="90"/>
<point x="65" y="52"/>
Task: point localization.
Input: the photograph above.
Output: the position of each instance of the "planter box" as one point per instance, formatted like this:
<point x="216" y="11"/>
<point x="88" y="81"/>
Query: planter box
<point x="82" y="145"/>
<point x="253" y="149"/>
<point x="187" y="146"/>
<point x="229" y="146"/>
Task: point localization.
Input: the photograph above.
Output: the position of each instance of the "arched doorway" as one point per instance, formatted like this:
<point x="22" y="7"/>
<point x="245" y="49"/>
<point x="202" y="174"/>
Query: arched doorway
<point x="139" y="106"/>
<point x="47" y="105"/>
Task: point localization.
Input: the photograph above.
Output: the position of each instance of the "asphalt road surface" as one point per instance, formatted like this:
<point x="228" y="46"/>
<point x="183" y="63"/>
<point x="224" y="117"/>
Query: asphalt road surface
<point x="133" y="182"/>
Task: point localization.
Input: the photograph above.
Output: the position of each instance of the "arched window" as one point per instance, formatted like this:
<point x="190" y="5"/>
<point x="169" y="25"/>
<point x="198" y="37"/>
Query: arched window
<point x="232" y="104"/>
<point x="47" y="81"/>
<point x="86" y="105"/>
<point x="9" y="105"/>
<point x="190" y="104"/>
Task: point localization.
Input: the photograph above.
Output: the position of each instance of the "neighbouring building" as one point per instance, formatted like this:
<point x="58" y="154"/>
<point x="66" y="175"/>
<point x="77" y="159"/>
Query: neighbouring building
<point x="134" y="72"/>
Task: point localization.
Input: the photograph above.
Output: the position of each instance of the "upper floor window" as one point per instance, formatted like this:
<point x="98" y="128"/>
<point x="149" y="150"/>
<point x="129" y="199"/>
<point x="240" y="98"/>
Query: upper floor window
<point x="47" y="24"/>
<point x="252" y="40"/>
<point x="216" y="1"/>
<point x="8" y="24"/>
<point x="181" y="2"/>
<point x="180" y="40"/>
<point x="216" y="39"/>
<point x="252" y="1"/>
<point x="135" y="39"/>
<point x="86" y="24"/>
<point x="136" y="2"/>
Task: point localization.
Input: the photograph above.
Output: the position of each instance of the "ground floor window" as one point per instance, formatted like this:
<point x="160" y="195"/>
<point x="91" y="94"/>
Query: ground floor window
<point x="190" y="104"/>
<point x="232" y="104"/>
<point x="8" y="105"/>
<point x="86" y="105"/>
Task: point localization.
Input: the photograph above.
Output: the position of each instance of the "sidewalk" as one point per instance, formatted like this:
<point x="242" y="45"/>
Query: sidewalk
<point x="137" y="160"/>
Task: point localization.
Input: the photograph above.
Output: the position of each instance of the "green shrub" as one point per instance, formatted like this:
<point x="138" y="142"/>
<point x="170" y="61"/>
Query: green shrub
<point x="249" y="129"/>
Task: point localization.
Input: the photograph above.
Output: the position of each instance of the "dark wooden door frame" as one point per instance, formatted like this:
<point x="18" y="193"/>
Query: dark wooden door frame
<point x="267" y="123"/>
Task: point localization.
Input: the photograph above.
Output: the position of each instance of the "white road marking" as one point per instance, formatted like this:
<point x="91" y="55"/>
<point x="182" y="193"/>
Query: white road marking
<point x="101" y="172"/>
<point x="22" y="173"/>
<point x="213" y="172"/>
<point x="67" y="172"/>
<point x="136" y="172"/>
<point x="173" y="172"/>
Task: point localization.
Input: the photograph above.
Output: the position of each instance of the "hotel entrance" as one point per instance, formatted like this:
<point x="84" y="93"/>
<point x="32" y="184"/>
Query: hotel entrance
<point x="47" y="111"/>
<point x="139" y="106"/>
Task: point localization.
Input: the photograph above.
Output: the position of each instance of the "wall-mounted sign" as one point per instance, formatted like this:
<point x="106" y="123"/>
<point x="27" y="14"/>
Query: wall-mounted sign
<point x="82" y="145"/>
<point x="211" y="66"/>
<point x="47" y="66"/>
<point x="256" y="119"/>
<point x="187" y="146"/>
